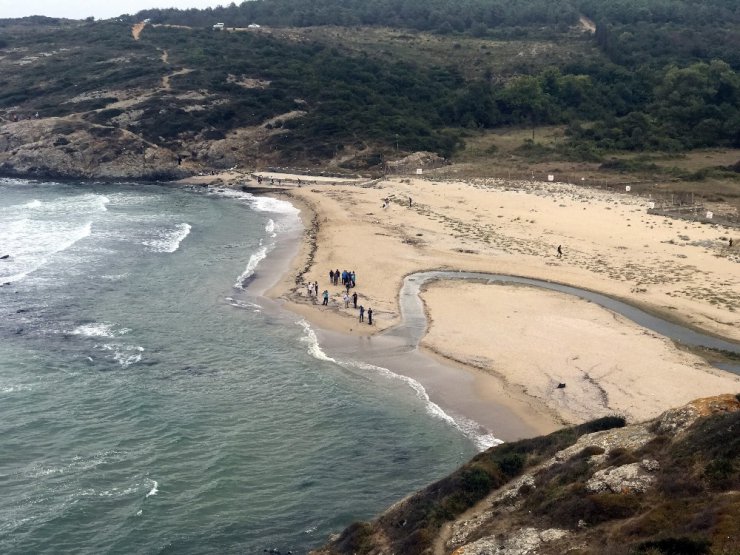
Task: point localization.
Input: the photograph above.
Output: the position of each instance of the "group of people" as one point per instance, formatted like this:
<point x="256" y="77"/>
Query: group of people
<point x="348" y="278"/>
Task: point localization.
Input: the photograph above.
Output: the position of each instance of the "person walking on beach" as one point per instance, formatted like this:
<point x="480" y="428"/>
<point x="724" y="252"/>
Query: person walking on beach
<point x="331" y="276"/>
<point x="354" y="299"/>
<point x="352" y="275"/>
<point x="370" y="316"/>
<point x="310" y="289"/>
<point x="362" y="313"/>
<point x="346" y="300"/>
<point x="326" y="298"/>
<point x="316" y="288"/>
<point x="410" y="202"/>
<point x="560" y="251"/>
<point x="336" y="276"/>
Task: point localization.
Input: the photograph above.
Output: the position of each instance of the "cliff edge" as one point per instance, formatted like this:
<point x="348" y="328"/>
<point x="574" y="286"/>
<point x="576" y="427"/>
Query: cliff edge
<point x="670" y="485"/>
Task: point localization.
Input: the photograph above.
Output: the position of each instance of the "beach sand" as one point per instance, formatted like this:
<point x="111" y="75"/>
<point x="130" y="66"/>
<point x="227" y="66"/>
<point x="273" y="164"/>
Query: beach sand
<point x="522" y="341"/>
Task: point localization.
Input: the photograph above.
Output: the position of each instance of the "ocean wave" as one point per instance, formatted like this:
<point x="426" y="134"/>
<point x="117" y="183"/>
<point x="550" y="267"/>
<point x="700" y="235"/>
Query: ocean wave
<point x="15" y="388"/>
<point x="254" y="261"/>
<point x="125" y="355"/>
<point x="481" y="438"/>
<point x="270" y="228"/>
<point x="98" y="329"/>
<point x="242" y="304"/>
<point x="30" y="248"/>
<point x="14" y="181"/>
<point x="35" y="203"/>
<point x="154" y="489"/>
<point x="268" y="204"/>
<point x="169" y="240"/>
<point x="314" y="349"/>
<point x="260" y="204"/>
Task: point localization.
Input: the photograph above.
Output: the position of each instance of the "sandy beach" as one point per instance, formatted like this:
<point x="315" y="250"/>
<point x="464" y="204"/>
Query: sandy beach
<point x="521" y="342"/>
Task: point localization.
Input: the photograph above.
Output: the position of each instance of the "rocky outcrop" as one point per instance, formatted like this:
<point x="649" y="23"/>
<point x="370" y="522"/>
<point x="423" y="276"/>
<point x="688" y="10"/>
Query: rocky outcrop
<point x="74" y="148"/>
<point x="669" y="485"/>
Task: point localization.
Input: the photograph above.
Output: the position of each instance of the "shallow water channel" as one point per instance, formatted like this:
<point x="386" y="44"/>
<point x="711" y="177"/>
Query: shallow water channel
<point x="414" y="321"/>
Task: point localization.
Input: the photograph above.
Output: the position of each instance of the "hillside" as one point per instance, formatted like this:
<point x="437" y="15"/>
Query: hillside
<point x="352" y="85"/>
<point x="670" y="486"/>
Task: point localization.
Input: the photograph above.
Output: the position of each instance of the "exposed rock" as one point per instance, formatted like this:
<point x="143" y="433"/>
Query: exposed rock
<point x="628" y="478"/>
<point x="66" y="148"/>
<point x="521" y="542"/>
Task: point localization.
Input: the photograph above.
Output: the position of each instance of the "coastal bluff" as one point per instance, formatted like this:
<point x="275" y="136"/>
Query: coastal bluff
<point x="664" y="486"/>
<point x="59" y="148"/>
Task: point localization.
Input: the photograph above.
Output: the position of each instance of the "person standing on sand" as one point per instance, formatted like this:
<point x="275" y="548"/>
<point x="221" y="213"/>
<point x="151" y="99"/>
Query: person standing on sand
<point x="410" y="202"/>
<point x="310" y="289"/>
<point x="560" y="251"/>
<point x="326" y="298"/>
<point x="362" y="313"/>
<point x="331" y="276"/>
<point x="354" y="299"/>
<point x="730" y="242"/>
<point x="369" y="316"/>
<point x="352" y="276"/>
<point x="316" y="288"/>
<point x="336" y="276"/>
<point x="346" y="300"/>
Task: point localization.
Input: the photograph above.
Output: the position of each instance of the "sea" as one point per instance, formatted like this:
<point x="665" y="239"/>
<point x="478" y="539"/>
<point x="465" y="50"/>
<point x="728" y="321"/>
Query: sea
<point x="153" y="401"/>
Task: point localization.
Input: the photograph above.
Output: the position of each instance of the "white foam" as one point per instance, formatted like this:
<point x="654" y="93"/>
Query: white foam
<point x="483" y="440"/>
<point x="168" y="240"/>
<point x="270" y="228"/>
<point x="31" y="245"/>
<point x="154" y="489"/>
<point x="314" y="349"/>
<point x="13" y="181"/>
<point x="125" y="355"/>
<point x="33" y="204"/>
<point x="15" y="388"/>
<point x="254" y="261"/>
<point x="471" y="429"/>
<point x="95" y="329"/>
<point x="242" y="304"/>
<point x="268" y="204"/>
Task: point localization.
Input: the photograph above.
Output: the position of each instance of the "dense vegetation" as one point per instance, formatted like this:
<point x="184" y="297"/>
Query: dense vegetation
<point x="670" y="80"/>
<point x="658" y="75"/>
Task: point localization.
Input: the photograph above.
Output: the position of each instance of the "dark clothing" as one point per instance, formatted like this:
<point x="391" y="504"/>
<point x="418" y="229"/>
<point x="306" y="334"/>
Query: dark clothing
<point x="370" y="316"/>
<point x="362" y="313"/>
<point x="354" y="299"/>
<point x="331" y="276"/>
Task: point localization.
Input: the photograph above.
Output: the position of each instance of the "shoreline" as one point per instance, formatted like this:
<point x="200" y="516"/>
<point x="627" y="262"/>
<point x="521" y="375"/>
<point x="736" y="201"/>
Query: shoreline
<point x="463" y="375"/>
<point x="492" y="385"/>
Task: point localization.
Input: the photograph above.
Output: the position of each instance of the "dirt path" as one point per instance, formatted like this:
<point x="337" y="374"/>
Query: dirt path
<point x="587" y="24"/>
<point x="136" y="29"/>
<point x="166" y="79"/>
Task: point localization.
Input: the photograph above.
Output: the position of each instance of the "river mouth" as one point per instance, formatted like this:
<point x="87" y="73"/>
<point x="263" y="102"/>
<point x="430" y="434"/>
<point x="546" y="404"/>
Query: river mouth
<point x="414" y="323"/>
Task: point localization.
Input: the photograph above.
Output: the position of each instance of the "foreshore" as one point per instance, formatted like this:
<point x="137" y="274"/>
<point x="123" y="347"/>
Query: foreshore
<point x="551" y="358"/>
